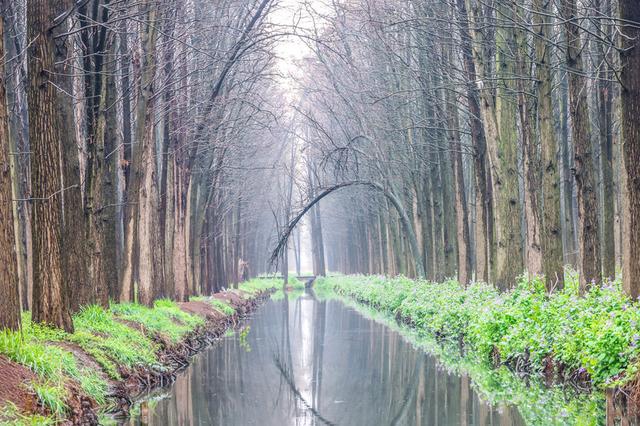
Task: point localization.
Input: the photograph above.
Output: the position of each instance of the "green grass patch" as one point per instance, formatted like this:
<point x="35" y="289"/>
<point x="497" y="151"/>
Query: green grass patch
<point x="53" y="365"/>
<point x="100" y="333"/>
<point x="222" y="306"/>
<point x="11" y="415"/>
<point x="258" y="285"/>
<point x="164" y="318"/>
<point x="51" y="395"/>
<point x="597" y="333"/>
<point x="107" y="337"/>
<point x="219" y="305"/>
<point x="295" y="283"/>
<point x="111" y="342"/>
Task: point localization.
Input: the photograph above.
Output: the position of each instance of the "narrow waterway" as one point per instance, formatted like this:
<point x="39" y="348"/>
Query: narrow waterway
<point x="301" y="361"/>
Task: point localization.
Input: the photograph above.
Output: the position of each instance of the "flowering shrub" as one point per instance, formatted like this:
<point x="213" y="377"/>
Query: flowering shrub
<point x="596" y="334"/>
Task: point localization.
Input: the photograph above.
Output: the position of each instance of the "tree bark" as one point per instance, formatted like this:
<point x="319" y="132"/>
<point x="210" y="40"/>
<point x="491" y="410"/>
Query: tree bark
<point x="479" y="146"/>
<point x="50" y="280"/>
<point x="551" y="237"/>
<point x="9" y="279"/>
<point x="605" y="125"/>
<point x="461" y="208"/>
<point x="504" y="161"/>
<point x="630" y="79"/>
<point x="589" y="260"/>
<point x="530" y="159"/>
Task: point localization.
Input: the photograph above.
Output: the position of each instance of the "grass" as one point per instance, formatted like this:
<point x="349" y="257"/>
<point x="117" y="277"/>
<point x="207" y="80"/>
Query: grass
<point x="596" y="334"/>
<point x="51" y="395"/>
<point x="109" y="338"/>
<point x="295" y="283"/>
<point x="165" y="318"/>
<point x="219" y="305"/>
<point x="223" y="307"/>
<point x="259" y="285"/>
<point x="103" y="334"/>
<point x="11" y="415"/>
<point x="112" y="343"/>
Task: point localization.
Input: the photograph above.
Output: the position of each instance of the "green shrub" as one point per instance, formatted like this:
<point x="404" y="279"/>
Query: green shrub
<point x="597" y="333"/>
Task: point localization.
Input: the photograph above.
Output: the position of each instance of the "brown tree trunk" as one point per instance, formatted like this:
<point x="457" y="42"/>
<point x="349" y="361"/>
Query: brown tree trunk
<point x="530" y="160"/>
<point x="15" y="86"/>
<point x="180" y="236"/>
<point x="74" y="247"/>
<point x="588" y="240"/>
<point x="144" y="241"/>
<point x="100" y="201"/>
<point x="567" y="216"/>
<point x="479" y="151"/>
<point x="605" y="125"/>
<point x="461" y="208"/>
<point x="50" y="280"/>
<point x="504" y="162"/>
<point x="9" y="280"/>
<point x="630" y="79"/>
<point x="551" y="237"/>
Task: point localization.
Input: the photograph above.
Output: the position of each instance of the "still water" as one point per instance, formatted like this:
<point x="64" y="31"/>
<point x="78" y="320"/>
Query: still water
<point x="301" y="361"/>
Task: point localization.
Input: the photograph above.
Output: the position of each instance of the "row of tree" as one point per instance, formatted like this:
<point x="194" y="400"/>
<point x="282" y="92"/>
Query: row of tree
<point x="136" y="142"/>
<point x="485" y="138"/>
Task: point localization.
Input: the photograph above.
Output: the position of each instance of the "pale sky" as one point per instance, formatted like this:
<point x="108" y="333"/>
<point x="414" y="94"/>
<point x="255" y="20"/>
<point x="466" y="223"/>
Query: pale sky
<point x="290" y="14"/>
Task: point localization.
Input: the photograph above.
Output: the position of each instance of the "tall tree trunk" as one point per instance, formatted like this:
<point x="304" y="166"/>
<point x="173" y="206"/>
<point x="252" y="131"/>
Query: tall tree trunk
<point x="461" y="208"/>
<point x="479" y="147"/>
<point x="74" y="247"/>
<point x="50" y="280"/>
<point x="530" y="158"/>
<point x="9" y="279"/>
<point x="14" y="40"/>
<point x="498" y="115"/>
<point x="588" y="241"/>
<point x="551" y="238"/>
<point x="503" y="159"/>
<point x="180" y="266"/>
<point x="569" y="239"/>
<point x="630" y="79"/>
<point x="125" y="212"/>
<point x="605" y="120"/>
<point x="100" y="175"/>
<point x="144" y="240"/>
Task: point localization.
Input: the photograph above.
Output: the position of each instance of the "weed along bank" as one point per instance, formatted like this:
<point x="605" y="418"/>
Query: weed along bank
<point x="114" y="355"/>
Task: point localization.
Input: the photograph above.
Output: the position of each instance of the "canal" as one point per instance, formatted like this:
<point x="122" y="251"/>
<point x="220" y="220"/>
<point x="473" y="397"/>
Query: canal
<point x="303" y="361"/>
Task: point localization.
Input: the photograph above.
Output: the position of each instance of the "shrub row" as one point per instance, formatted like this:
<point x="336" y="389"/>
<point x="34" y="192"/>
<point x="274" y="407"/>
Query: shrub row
<point x="596" y="334"/>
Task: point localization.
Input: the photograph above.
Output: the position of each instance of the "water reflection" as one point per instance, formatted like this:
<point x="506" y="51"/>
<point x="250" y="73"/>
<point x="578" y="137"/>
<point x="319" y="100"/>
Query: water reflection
<point x="319" y="362"/>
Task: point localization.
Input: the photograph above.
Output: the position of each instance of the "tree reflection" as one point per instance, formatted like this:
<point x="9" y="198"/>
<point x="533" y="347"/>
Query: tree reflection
<point x="319" y="362"/>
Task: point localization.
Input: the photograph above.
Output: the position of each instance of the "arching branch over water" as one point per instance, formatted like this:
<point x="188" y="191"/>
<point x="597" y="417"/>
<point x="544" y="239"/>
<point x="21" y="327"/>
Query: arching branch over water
<point x="395" y="201"/>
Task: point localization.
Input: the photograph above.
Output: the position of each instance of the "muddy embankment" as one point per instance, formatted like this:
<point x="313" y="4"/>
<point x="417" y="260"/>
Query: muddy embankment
<point x="171" y="358"/>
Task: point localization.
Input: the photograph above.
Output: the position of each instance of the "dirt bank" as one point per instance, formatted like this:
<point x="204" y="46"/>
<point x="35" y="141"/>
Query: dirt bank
<point x="19" y="399"/>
